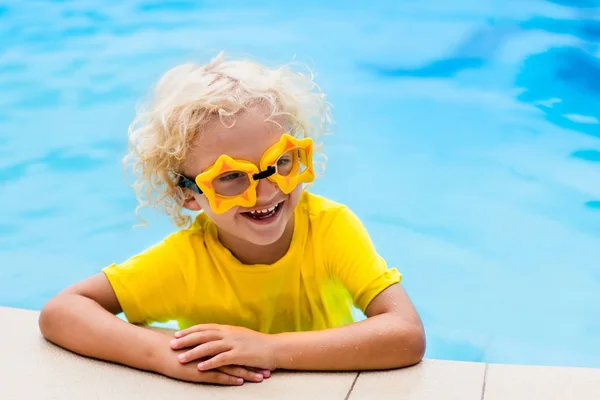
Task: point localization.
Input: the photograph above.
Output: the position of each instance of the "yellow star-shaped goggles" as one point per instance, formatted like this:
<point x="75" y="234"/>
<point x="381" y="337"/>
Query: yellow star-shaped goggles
<point x="229" y="182"/>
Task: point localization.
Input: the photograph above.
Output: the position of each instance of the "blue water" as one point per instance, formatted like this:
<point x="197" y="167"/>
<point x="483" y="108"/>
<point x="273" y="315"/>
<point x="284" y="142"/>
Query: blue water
<point x="467" y="139"/>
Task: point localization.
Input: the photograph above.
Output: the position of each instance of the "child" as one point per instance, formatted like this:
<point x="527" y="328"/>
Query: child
<point x="266" y="275"/>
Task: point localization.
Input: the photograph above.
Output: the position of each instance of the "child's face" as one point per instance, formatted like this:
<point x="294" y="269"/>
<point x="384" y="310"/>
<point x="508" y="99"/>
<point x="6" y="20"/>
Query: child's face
<point x="246" y="140"/>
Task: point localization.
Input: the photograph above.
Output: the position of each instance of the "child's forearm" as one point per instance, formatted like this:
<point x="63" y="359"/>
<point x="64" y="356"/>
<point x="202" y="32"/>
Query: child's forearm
<point x="81" y="325"/>
<point x="381" y="342"/>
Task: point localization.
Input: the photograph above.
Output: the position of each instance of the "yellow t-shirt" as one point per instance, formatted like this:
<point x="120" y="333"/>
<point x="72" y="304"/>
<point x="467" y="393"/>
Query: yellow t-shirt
<point x="190" y="277"/>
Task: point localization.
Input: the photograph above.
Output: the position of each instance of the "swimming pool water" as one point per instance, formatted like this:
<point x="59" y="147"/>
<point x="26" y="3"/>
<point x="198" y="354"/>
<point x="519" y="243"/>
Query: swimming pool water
<point x="467" y="139"/>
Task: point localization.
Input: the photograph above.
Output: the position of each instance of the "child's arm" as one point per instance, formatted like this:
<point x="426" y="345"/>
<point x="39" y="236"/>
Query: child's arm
<point x="82" y="319"/>
<point x="391" y="337"/>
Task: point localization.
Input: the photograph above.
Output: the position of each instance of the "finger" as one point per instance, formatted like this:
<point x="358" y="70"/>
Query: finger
<point x="197" y="328"/>
<point x="204" y="350"/>
<point x="241" y="372"/>
<point x="195" y="339"/>
<point x="221" y="359"/>
<point x="219" y="378"/>
<point x="264" y="372"/>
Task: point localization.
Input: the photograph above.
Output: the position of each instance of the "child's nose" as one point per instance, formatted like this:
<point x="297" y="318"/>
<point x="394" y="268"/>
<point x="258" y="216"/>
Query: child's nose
<point x="265" y="191"/>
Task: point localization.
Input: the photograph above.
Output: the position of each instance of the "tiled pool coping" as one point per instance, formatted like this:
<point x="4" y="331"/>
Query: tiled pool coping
<point x="32" y="368"/>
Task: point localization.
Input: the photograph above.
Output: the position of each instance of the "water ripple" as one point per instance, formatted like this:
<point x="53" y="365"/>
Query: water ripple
<point x="587" y="155"/>
<point x="161" y="6"/>
<point x="595" y="204"/>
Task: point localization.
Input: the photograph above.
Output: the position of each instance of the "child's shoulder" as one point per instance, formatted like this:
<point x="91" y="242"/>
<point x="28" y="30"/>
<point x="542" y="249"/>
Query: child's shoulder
<point x="315" y="204"/>
<point x="322" y="209"/>
<point x="199" y="228"/>
<point x="333" y="224"/>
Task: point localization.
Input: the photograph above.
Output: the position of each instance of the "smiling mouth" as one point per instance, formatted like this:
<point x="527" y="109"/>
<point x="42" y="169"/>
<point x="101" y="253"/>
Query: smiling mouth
<point x="264" y="213"/>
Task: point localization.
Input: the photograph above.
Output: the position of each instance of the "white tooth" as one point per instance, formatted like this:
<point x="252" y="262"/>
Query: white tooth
<point x="265" y="211"/>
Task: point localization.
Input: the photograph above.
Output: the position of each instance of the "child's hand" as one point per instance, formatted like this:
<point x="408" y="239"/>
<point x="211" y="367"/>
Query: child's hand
<point x="229" y="375"/>
<point x="225" y="345"/>
<point x="169" y="365"/>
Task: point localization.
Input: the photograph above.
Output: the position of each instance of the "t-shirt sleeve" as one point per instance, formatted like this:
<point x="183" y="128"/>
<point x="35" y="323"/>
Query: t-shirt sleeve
<point x="151" y="286"/>
<point x="351" y="256"/>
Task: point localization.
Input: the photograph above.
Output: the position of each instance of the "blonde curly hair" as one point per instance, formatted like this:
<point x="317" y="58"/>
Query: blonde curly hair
<point x="190" y="96"/>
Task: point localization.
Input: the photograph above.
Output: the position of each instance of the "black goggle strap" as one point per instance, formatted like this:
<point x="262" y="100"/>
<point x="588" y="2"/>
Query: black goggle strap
<point x="185" y="182"/>
<point x="266" y="173"/>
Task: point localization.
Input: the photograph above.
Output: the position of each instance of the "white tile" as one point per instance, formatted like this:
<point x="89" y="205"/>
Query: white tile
<point x="429" y="380"/>
<point x="519" y="382"/>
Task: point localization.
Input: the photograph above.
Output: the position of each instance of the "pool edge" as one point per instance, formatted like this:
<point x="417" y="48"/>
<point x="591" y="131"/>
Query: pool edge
<point x="32" y="367"/>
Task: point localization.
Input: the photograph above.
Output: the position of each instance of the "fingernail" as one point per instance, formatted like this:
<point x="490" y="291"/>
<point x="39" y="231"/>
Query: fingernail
<point x="258" y="377"/>
<point x="266" y="373"/>
<point x="177" y="334"/>
<point x="173" y="343"/>
<point x="201" y="365"/>
<point x="240" y="381"/>
<point x="181" y="357"/>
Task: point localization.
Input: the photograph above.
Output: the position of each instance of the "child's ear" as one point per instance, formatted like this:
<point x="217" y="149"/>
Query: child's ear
<point x="191" y="203"/>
